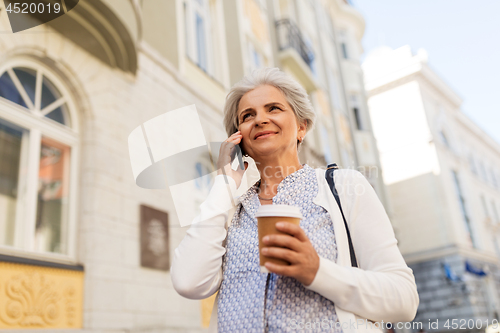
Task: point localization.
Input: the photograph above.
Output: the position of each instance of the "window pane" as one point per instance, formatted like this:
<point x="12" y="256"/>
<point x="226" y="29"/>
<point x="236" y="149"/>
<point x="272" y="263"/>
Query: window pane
<point x="49" y="95"/>
<point x="472" y="164"/>
<point x="9" y="91"/>
<point x="357" y="116"/>
<point x="465" y="215"/>
<point x="326" y="146"/>
<point x="27" y="77"/>
<point x="256" y="59"/>
<point x="495" y="212"/>
<point x="186" y="30"/>
<point x="52" y="207"/>
<point x="334" y="90"/>
<point x="10" y="157"/>
<point x="200" y="43"/>
<point x="344" y="51"/>
<point x="57" y="115"/>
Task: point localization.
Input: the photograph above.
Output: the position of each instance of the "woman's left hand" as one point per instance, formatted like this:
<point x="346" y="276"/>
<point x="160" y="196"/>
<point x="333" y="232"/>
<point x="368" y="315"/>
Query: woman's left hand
<point x="299" y="252"/>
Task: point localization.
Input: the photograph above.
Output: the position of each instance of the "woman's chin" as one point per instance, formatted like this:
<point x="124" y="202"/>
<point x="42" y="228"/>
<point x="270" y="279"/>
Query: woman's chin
<point x="264" y="152"/>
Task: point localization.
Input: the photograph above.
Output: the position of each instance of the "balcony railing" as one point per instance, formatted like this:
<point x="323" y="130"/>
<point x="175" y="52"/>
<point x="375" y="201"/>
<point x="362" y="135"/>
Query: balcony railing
<point x="289" y="36"/>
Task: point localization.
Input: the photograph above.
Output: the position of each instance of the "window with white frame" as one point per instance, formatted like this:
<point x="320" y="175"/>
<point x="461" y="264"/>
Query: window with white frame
<point x="485" y="208"/>
<point x="313" y="65"/>
<point x="334" y="90"/>
<point x="495" y="212"/>
<point x="444" y="138"/>
<point x="482" y="170"/>
<point x="493" y="178"/>
<point x="256" y="60"/>
<point x="38" y="144"/>
<point x="325" y="141"/>
<point x="344" y="44"/>
<point x="496" y="245"/>
<point x="472" y="163"/>
<point x="356" y="110"/>
<point x="463" y="209"/>
<point x="198" y="39"/>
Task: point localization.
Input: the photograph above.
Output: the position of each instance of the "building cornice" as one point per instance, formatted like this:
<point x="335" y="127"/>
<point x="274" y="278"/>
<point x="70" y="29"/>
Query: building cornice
<point x="438" y="253"/>
<point x="392" y="78"/>
<point x="402" y="74"/>
<point x="343" y="9"/>
<point x="478" y="132"/>
<point x="436" y="81"/>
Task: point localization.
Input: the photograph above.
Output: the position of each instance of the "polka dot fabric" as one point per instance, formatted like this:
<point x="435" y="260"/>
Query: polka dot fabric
<point x="251" y="301"/>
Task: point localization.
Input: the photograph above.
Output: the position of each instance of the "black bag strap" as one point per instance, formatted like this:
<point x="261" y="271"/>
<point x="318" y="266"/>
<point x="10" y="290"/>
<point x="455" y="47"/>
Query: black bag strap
<point x="329" y="178"/>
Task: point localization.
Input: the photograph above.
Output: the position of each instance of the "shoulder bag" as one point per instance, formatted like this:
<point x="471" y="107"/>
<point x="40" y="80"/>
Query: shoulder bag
<point x="329" y="178"/>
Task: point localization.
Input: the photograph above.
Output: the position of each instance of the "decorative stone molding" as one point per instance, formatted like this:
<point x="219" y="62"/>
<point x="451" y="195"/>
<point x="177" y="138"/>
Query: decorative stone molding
<point x="40" y="297"/>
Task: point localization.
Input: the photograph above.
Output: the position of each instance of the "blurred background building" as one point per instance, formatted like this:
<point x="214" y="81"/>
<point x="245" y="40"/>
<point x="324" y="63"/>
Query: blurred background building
<point x="81" y="246"/>
<point x="443" y="180"/>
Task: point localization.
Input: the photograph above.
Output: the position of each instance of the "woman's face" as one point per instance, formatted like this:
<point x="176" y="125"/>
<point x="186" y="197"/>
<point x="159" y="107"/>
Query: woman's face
<point x="265" y="109"/>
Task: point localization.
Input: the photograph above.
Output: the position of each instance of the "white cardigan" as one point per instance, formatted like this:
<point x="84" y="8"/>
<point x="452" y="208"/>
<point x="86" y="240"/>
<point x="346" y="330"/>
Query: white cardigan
<point x="382" y="288"/>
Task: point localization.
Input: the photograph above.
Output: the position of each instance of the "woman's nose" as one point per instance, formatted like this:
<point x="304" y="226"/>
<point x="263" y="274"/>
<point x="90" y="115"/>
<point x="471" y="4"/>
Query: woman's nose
<point x="261" y="118"/>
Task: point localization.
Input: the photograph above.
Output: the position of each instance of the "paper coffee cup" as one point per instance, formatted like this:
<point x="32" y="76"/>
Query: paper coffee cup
<point x="267" y="217"/>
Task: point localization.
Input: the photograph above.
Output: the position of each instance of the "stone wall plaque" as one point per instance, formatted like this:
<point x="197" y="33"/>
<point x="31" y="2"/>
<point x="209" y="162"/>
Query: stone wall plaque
<point x="154" y="239"/>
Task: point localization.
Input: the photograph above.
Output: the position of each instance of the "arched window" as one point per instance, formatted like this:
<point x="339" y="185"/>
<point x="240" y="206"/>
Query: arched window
<point x="35" y="93"/>
<point x="38" y="150"/>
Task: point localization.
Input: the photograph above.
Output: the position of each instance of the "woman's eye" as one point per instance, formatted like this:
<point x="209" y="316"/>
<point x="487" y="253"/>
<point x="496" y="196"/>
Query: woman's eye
<point x="274" y="107"/>
<point x="245" y="116"/>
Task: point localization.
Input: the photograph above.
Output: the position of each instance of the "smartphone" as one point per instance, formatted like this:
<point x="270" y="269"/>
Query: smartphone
<point x="238" y="152"/>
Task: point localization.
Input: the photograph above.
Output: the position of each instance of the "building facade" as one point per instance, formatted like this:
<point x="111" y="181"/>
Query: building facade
<point x="442" y="177"/>
<point x="74" y="227"/>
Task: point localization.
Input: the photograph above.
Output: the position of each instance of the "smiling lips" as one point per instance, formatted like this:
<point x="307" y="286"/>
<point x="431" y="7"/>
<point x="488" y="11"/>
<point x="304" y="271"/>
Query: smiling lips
<point x="263" y="135"/>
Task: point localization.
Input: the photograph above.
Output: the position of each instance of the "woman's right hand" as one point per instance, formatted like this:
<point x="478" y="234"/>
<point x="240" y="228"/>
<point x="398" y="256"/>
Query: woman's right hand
<point x="227" y="150"/>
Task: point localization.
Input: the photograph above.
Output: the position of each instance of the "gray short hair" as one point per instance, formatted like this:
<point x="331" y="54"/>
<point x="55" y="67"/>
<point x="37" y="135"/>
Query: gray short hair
<point x="294" y="94"/>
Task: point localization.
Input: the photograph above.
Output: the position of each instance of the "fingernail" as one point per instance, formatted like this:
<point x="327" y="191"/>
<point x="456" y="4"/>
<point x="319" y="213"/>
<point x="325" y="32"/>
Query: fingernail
<point x="265" y="239"/>
<point x="280" y="224"/>
<point x="264" y="250"/>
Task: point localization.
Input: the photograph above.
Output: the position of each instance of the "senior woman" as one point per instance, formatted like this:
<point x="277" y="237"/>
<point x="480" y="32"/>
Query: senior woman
<point x="268" y="115"/>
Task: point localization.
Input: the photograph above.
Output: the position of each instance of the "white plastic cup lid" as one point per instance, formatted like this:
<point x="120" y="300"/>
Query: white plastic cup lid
<point x="279" y="210"/>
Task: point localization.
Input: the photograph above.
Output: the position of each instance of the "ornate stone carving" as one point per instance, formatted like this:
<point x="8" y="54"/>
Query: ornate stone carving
<point x="34" y="297"/>
<point x="31" y="301"/>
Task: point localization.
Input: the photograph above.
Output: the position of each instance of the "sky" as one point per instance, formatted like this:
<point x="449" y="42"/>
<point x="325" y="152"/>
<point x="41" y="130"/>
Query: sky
<point x="462" y="38"/>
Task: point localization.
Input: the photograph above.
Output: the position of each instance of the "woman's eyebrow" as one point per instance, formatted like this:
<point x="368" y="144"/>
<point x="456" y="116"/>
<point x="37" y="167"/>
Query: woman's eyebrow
<point x="247" y="109"/>
<point x="267" y="105"/>
<point x="274" y="103"/>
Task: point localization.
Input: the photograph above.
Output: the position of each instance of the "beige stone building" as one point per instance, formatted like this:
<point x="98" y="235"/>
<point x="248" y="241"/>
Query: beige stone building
<point x="443" y="180"/>
<point x="75" y="229"/>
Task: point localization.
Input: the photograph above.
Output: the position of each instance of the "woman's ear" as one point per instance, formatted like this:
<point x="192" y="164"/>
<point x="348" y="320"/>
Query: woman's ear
<point x="301" y="132"/>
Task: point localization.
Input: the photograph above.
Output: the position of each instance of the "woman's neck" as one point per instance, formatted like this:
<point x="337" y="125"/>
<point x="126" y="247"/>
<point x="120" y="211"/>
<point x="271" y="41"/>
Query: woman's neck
<point x="273" y="172"/>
